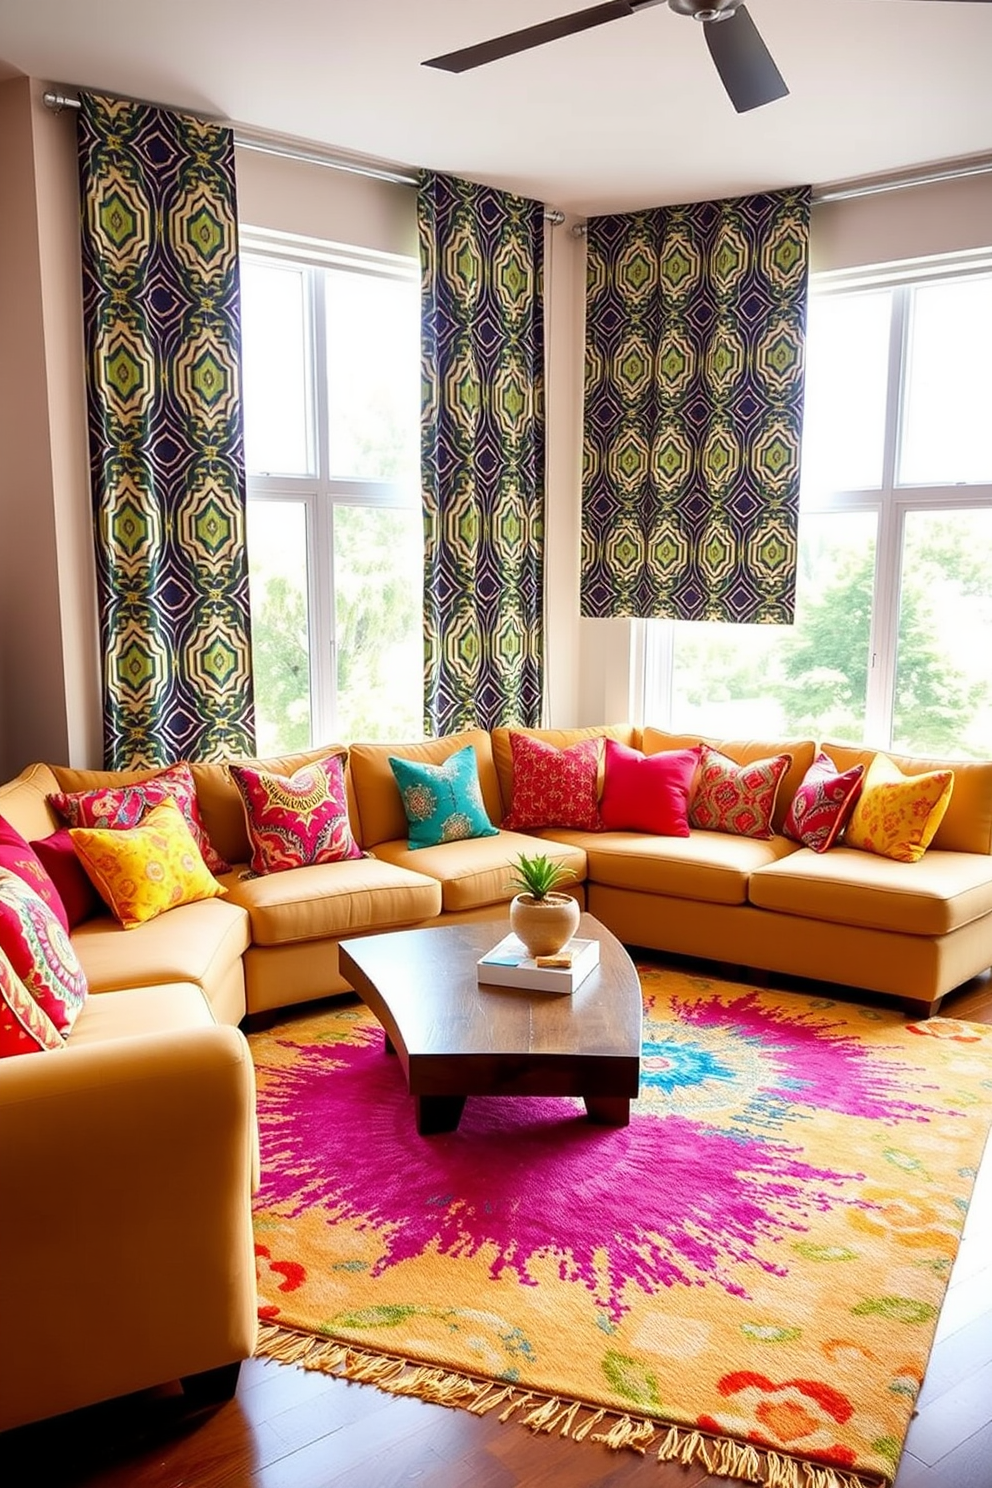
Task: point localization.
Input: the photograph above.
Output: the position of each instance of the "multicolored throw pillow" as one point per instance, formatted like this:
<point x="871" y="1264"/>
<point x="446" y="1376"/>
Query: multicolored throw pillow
<point x="647" y="792"/>
<point x="898" y="815"/>
<point x="19" y="855"/>
<point x="443" y="803"/>
<point x="298" y="820"/>
<point x="822" y="806"/>
<point x="123" y="806"/>
<point x="24" y="1028"/>
<point x="39" y="950"/>
<point x="739" y="799"/>
<point x="554" y="787"/>
<point x="143" y="871"/>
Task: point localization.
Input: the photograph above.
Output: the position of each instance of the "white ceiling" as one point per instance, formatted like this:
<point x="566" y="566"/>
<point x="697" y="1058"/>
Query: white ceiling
<point x="628" y="115"/>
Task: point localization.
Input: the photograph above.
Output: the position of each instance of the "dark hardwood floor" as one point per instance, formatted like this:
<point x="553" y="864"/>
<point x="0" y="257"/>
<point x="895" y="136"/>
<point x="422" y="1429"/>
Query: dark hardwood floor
<point x="286" y="1428"/>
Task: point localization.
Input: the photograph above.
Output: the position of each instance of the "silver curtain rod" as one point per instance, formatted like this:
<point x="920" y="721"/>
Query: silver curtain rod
<point x="268" y="145"/>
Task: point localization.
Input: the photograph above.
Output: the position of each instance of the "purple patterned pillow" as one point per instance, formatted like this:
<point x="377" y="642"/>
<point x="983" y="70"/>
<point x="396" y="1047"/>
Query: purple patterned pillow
<point x="299" y="820"/>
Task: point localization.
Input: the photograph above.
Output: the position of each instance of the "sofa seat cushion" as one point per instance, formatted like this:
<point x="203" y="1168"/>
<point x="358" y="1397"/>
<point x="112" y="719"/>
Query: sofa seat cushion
<point x="940" y="893"/>
<point x="476" y="873"/>
<point x="139" y="1011"/>
<point x="710" y="866"/>
<point x="329" y="900"/>
<point x="191" y="943"/>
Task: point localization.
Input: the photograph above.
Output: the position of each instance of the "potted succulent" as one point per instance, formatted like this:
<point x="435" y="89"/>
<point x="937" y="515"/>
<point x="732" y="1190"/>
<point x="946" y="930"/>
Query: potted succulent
<point x="541" y="917"/>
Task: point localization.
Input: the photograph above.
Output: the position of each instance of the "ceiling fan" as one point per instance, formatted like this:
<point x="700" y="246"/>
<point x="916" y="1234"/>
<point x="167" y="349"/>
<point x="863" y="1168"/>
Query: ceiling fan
<point x="744" y="63"/>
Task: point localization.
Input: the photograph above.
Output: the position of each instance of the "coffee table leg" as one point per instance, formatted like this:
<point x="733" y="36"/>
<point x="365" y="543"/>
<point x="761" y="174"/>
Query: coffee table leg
<point x="438" y="1113"/>
<point x="608" y="1110"/>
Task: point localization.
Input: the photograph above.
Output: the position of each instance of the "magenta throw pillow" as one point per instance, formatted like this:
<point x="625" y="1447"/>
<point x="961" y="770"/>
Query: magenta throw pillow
<point x="125" y="806"/>
<point x="299" y="820"/>
<point x="19" y="856"/>
<point x="739" y="799"/>
<point x="554" y="787"/>
<point x="74" y="885"/>
<point x="647" y="792"/>
<point x="24" y="1028"/>
<point x="823" y="804"/>
<point x="39" y="950"/>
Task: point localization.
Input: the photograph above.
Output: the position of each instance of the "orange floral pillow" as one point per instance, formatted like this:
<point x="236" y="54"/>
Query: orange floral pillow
<point x="897" y="815"/>
<point x="143" y="871"/>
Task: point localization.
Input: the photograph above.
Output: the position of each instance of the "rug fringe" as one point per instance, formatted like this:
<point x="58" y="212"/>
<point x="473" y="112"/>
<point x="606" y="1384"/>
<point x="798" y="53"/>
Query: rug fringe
<point x="724" y="1457"/>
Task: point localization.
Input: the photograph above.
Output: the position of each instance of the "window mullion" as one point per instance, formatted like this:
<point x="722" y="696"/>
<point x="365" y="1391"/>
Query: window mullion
<point x="323" y="668"/>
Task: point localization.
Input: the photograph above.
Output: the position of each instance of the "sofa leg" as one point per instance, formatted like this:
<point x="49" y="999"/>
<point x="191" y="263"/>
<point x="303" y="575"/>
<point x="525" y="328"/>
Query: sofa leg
<point x="213" y="1386"/>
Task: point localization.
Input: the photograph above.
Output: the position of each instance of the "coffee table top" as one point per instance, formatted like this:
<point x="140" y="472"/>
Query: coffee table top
<point x="451" y="1033"/>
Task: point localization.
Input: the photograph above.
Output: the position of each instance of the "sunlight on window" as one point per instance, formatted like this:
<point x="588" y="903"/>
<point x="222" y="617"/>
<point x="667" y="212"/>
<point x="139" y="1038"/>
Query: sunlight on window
<point x="948" y="410"/>
<point x="373" y="377"/>
<point x="847" y="357"/>
<point x="274" y="361"/>
<point x="277" y="561"/>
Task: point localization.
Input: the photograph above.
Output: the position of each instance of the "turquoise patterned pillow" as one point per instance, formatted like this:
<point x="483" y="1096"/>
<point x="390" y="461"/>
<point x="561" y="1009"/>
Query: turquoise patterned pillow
<point x="443" y="803"/>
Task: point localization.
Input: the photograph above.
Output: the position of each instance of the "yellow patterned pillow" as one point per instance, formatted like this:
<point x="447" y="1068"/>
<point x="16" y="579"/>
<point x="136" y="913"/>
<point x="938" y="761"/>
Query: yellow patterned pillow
<point x="897" y="815"/>
<point x="143" y="871"/>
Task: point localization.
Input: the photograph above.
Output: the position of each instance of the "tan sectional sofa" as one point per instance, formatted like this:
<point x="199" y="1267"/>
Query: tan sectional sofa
<point x="136" y="1142"/>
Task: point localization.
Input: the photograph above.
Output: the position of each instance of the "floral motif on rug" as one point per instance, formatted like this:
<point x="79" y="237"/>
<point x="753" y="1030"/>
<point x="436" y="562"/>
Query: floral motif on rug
<point x="750" y="1273"/>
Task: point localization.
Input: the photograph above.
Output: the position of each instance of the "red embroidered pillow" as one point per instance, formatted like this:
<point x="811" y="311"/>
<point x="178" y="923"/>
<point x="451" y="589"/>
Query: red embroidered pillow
<point x="554" y="787"/>
<point x="123" y="806"/>
<point x="822" y="806"/>
<point x="740" y="799"/>
<point x="70" y="878"/>
<point x="647" y="792"/>
<point x="299" y="820"/>
<point x="38" y="948"/>
<point x="24" y="1028"/>
<point x="20" y="857"/>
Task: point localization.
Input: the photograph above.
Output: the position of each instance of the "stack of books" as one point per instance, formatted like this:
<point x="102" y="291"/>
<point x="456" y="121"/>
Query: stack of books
<point x="509" y="965"/>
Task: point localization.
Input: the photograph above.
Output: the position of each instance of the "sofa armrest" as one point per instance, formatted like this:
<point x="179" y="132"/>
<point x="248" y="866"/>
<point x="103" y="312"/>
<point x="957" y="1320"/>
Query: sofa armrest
<point x="126" y="1171"/>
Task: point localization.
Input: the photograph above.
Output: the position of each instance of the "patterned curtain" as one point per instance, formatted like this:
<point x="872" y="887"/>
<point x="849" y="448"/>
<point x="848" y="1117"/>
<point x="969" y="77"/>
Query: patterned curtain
<point x="482" y="260"/>
<point x="162" y="329"/>
<point x="695" y="330"/>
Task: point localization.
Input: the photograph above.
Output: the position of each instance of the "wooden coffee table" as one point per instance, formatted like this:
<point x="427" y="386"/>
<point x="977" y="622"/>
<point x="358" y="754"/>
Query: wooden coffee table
<point x="455" y="1038"/>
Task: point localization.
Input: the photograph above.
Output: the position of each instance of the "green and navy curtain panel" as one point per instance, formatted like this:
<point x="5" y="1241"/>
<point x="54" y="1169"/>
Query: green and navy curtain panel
<point x="482" y="454"/>
<point x="695" y="332"/>
<point x="162" y="331"/>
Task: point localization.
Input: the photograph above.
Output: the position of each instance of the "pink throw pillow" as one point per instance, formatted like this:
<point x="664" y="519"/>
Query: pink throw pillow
<point x="822" y="806"/>
<point x="39" y="950"/>
<point x="124" y="806"/>
<point x="554" y="787"/>
<point x="739" y="799"/>
<point x="299" y="820"/>
<point x="24" y="1028"/>
<point x="70" y="878"/>
<point x="19" y="856"/>
<point x="648" y="792"/>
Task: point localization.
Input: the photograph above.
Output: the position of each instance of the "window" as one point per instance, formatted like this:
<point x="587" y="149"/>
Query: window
<point x="335" y="538"/>
<point x="893" y="626"/>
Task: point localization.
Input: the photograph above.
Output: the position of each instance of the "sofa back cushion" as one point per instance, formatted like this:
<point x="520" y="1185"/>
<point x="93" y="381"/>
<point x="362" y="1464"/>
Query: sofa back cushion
<point x="967" y="823"/>
<point x="381" y="817"/>
<point x="221" y="805"/>
<point x="24" y="802"/>
<point x="746" y="752"/>
<point x="624" y="733"/>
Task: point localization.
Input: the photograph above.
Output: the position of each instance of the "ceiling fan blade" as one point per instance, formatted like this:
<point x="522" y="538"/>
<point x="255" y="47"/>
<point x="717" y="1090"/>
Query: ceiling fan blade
<point x="531" y="36"/>
<point x="743" y="61"/>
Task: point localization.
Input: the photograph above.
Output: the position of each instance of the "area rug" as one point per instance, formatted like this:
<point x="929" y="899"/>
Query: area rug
<point x="748" y="1276"/>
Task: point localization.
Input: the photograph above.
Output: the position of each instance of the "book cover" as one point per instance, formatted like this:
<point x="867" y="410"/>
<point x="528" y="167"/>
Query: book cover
<point x="509" y="965"/>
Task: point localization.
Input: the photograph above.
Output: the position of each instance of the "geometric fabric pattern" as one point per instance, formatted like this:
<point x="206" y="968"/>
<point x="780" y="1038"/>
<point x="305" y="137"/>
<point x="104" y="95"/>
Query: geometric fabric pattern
<point x="695" y="334"/>
<point x="734" y="798"/>
<point x="482" y="454"/>
<point x="162" y="329"/>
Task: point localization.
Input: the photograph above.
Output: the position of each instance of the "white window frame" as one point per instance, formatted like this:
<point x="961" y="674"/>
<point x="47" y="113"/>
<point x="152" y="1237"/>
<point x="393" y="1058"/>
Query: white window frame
<point x="653" y="641"/>
<point x="319" y="492"/>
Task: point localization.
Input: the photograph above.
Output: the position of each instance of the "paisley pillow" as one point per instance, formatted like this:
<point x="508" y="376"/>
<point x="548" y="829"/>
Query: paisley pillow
<point x="143" y="871"/>
<point x="554" y="787"/>
<point x="122" y="806"/>
<point x="822" y="806"/>
<point x="24" y="1028"/>
<point x="443" y="803"/>
<point x="734" y="798"/>
<point x="897" y="815"/>
<point x="39" y="950"/>
<point x="298" y="820"/>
